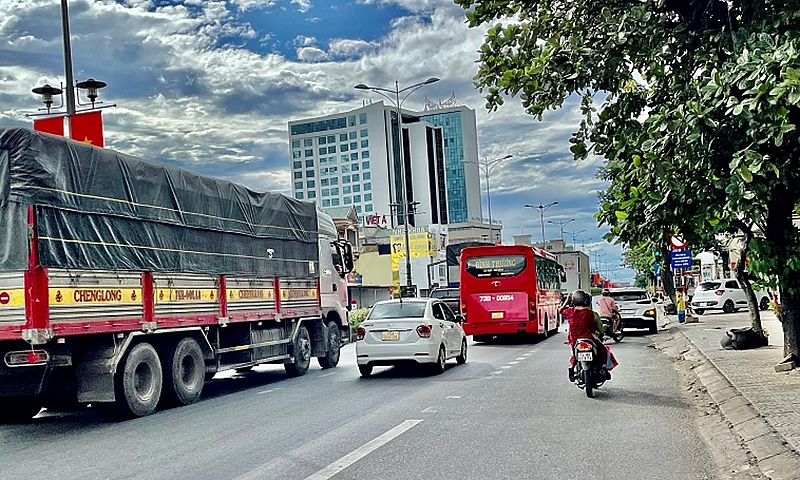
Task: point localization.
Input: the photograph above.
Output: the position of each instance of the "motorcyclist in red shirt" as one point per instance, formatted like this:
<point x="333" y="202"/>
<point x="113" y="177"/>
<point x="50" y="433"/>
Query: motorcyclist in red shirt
<point x="583" y="324"/>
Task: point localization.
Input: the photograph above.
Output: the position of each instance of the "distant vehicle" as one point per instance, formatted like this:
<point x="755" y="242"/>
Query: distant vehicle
<point x="450" y="296"/>
<point x="636" y="307"/>
<point x="725" y="294"/>
<point x="410" y="330"/>
<point x="509" y="289"/>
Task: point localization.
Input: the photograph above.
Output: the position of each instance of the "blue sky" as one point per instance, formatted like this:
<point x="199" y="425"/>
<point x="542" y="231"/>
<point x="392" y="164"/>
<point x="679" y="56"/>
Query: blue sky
<point x="211" y="85"/>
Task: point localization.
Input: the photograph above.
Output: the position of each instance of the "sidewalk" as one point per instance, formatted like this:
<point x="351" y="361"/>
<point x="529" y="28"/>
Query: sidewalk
<point x="762" y="406"/>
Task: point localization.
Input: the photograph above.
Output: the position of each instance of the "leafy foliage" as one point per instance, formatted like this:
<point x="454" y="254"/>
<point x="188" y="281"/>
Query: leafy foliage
<point x="696" y="115"/>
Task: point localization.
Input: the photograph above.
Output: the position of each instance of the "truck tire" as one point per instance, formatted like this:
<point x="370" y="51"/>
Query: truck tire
<point x="302" y="354"/>
<point x="331" y="358"/>
<point x="139" y="382"/>
<point x="18" y="409"/>
<point x="184" y="373"/>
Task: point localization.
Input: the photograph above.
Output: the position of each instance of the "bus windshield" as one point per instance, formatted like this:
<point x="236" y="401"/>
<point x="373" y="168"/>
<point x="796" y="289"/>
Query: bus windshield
<point x="496" y="266"/>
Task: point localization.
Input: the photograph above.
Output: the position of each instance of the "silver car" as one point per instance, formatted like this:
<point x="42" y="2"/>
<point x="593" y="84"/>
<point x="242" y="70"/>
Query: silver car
<point x="410" y="330"/>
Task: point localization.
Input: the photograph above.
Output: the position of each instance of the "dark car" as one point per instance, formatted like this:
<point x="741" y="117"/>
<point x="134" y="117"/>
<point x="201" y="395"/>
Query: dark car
<point x="450" y="296"/>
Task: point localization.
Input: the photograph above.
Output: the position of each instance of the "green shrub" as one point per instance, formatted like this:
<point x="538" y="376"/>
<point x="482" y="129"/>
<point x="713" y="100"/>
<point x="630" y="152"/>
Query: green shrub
<point x="357" y="316"/>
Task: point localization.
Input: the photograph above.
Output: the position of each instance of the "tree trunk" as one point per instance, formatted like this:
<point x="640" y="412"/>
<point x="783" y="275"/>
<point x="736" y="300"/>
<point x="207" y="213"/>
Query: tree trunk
<point x="744" y="279"/>
<point x="782" y="239"/>
<point x="790" y="320"/>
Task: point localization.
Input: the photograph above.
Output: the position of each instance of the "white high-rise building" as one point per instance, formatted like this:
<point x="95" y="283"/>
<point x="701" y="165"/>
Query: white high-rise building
<point x="353" y="158"/>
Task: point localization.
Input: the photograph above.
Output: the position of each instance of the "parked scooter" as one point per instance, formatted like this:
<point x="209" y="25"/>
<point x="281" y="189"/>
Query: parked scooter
<point x="609" y="331"/>
<point x="587" y="373"/>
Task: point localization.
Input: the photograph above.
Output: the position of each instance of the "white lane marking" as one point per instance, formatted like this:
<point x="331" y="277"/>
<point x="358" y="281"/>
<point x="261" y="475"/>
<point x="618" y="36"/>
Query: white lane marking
<point x="327" y="374"/>
<point x="269" y="391"/>
<point x="433" y="409"/>
<point x="505" y="366"/>
<point x="512" y="363"/>
<point x="497" y="372"/>
<point x="362" y="451"/>
<point x="526" y="354"/>
<point x="521" y="358"/>
<point x="453" y="396"/>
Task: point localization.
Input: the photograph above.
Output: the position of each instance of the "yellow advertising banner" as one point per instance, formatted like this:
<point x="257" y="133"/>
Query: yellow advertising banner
<point x="12" y="298"/>
<point x="298" y="293"/>
<point x="186" y="295"/>
<point x="420" y="244"/>
<point x="78" y="296"/>
<point x="250" y="294"/>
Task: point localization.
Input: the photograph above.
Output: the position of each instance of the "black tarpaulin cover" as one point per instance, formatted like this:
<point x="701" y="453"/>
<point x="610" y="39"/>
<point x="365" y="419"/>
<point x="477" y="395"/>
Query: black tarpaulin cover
<point x="99" y="209"/>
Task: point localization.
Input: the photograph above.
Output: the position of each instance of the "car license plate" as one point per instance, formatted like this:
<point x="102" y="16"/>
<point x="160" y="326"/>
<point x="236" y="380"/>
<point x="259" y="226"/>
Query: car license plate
<point x="391" y="335"/>
<point x="627" y="312"/>
<point x="584" y="356"/>
<point x="496" y="315"/>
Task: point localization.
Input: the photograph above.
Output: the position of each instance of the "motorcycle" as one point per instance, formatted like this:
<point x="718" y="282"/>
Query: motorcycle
<point x="609" y="332"/>
<point x="587" y="373"/>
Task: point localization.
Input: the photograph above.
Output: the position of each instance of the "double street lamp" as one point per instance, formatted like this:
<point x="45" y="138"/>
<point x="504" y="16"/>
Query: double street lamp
<point x="542" y="209"/>
<point x="398" y="103"/>
<point x="486" y="167"/>
<point x="561" y="224"/>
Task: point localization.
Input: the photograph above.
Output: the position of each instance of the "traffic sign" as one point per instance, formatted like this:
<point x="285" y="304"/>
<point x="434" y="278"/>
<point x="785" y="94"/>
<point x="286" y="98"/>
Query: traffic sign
<point x="680" y="259"/>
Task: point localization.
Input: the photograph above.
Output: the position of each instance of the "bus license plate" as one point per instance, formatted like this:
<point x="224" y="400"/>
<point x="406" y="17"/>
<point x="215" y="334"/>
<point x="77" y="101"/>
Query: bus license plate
<point x="391" y="335"/>
<point x="584" y="356"/>
<point x="496" y="315"/>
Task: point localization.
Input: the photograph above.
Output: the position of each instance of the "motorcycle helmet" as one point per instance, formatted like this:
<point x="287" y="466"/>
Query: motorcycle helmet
<point x="581" y="298"/>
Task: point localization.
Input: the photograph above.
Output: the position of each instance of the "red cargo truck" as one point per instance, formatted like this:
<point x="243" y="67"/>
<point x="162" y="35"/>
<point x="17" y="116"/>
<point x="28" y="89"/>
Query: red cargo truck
<point x="127" y="284"/>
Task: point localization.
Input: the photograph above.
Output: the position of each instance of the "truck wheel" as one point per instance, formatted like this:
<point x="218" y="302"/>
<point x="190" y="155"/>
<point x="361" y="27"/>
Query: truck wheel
<point x="184" y="373"/>
<point x="139" y="383"/>
<point x="331" y="358"/>
<point x="18" y="409"/>
<point x="302" y="354"/>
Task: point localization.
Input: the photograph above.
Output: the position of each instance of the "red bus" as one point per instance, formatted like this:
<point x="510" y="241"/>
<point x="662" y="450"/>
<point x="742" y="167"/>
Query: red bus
<point x="509" y="289"/>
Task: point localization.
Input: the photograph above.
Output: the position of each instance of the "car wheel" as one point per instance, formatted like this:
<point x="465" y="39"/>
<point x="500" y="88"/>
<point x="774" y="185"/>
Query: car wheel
<point x="699" y="311"/>
<point x="728" y="307"/>
<point x="764" y="304"/>
<point x="438" y="367"/>
<point x="365" y="370"/>
<point x="653" y="328"/>
<point x="461" y="359"/>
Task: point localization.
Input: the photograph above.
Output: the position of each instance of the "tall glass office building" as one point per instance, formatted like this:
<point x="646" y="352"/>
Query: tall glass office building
<point x="353" y="158"/>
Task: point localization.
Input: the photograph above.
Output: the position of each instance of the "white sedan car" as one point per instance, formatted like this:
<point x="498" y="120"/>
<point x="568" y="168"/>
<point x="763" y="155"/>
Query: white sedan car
<point x="410" y="330"/>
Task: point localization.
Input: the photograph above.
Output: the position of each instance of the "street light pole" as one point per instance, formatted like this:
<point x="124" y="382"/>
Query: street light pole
<point x="403" y="194"/>
<point x="542" y="209"/>
<point x="69" y="92"/>
<point x="574" y="235"/>
<point x="561" y="224"/>
<point x="486" y="167"/>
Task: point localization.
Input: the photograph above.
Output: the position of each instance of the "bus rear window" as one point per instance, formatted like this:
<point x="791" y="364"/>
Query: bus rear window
<point x="496" y="266"/>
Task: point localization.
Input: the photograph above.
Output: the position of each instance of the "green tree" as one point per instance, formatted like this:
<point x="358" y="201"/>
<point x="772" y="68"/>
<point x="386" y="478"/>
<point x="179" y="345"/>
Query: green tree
<point x="698" y="107"/>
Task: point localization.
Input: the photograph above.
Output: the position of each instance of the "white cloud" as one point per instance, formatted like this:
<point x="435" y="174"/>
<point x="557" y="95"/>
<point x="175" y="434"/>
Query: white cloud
<point x="303" y="5"/>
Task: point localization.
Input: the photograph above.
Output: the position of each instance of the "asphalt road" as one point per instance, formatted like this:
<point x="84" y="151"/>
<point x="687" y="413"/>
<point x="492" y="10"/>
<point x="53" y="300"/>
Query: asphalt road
<point x="509" y="413"/>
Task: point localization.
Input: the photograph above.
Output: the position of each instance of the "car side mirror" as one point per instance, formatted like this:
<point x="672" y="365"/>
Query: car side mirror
<point x="460" y="318"/>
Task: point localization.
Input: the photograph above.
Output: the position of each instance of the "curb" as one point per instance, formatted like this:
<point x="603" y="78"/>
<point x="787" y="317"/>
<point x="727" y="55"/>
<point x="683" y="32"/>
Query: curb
<point x="774" y="457"/>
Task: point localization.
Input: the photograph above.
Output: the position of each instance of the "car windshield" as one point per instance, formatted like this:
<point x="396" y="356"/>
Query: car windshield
<point x="705" y="286"/>
<point x="397" y="310"/>
<point x="629" y="296"/>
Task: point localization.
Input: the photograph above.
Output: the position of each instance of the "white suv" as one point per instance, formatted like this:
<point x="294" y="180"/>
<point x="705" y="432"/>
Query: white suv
<point x="636" y="307"/>
<point x="724" y="294"/>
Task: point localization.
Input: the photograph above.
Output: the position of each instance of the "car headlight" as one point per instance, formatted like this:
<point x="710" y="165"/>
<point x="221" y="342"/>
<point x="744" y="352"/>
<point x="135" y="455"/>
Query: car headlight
<point x="650" y="313"/>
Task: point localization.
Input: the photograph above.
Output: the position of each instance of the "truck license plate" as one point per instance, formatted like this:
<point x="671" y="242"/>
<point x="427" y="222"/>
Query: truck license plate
<point x="392" y="335"/>
<point x="584" y="356"/>
<point x="496" y="315"/>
